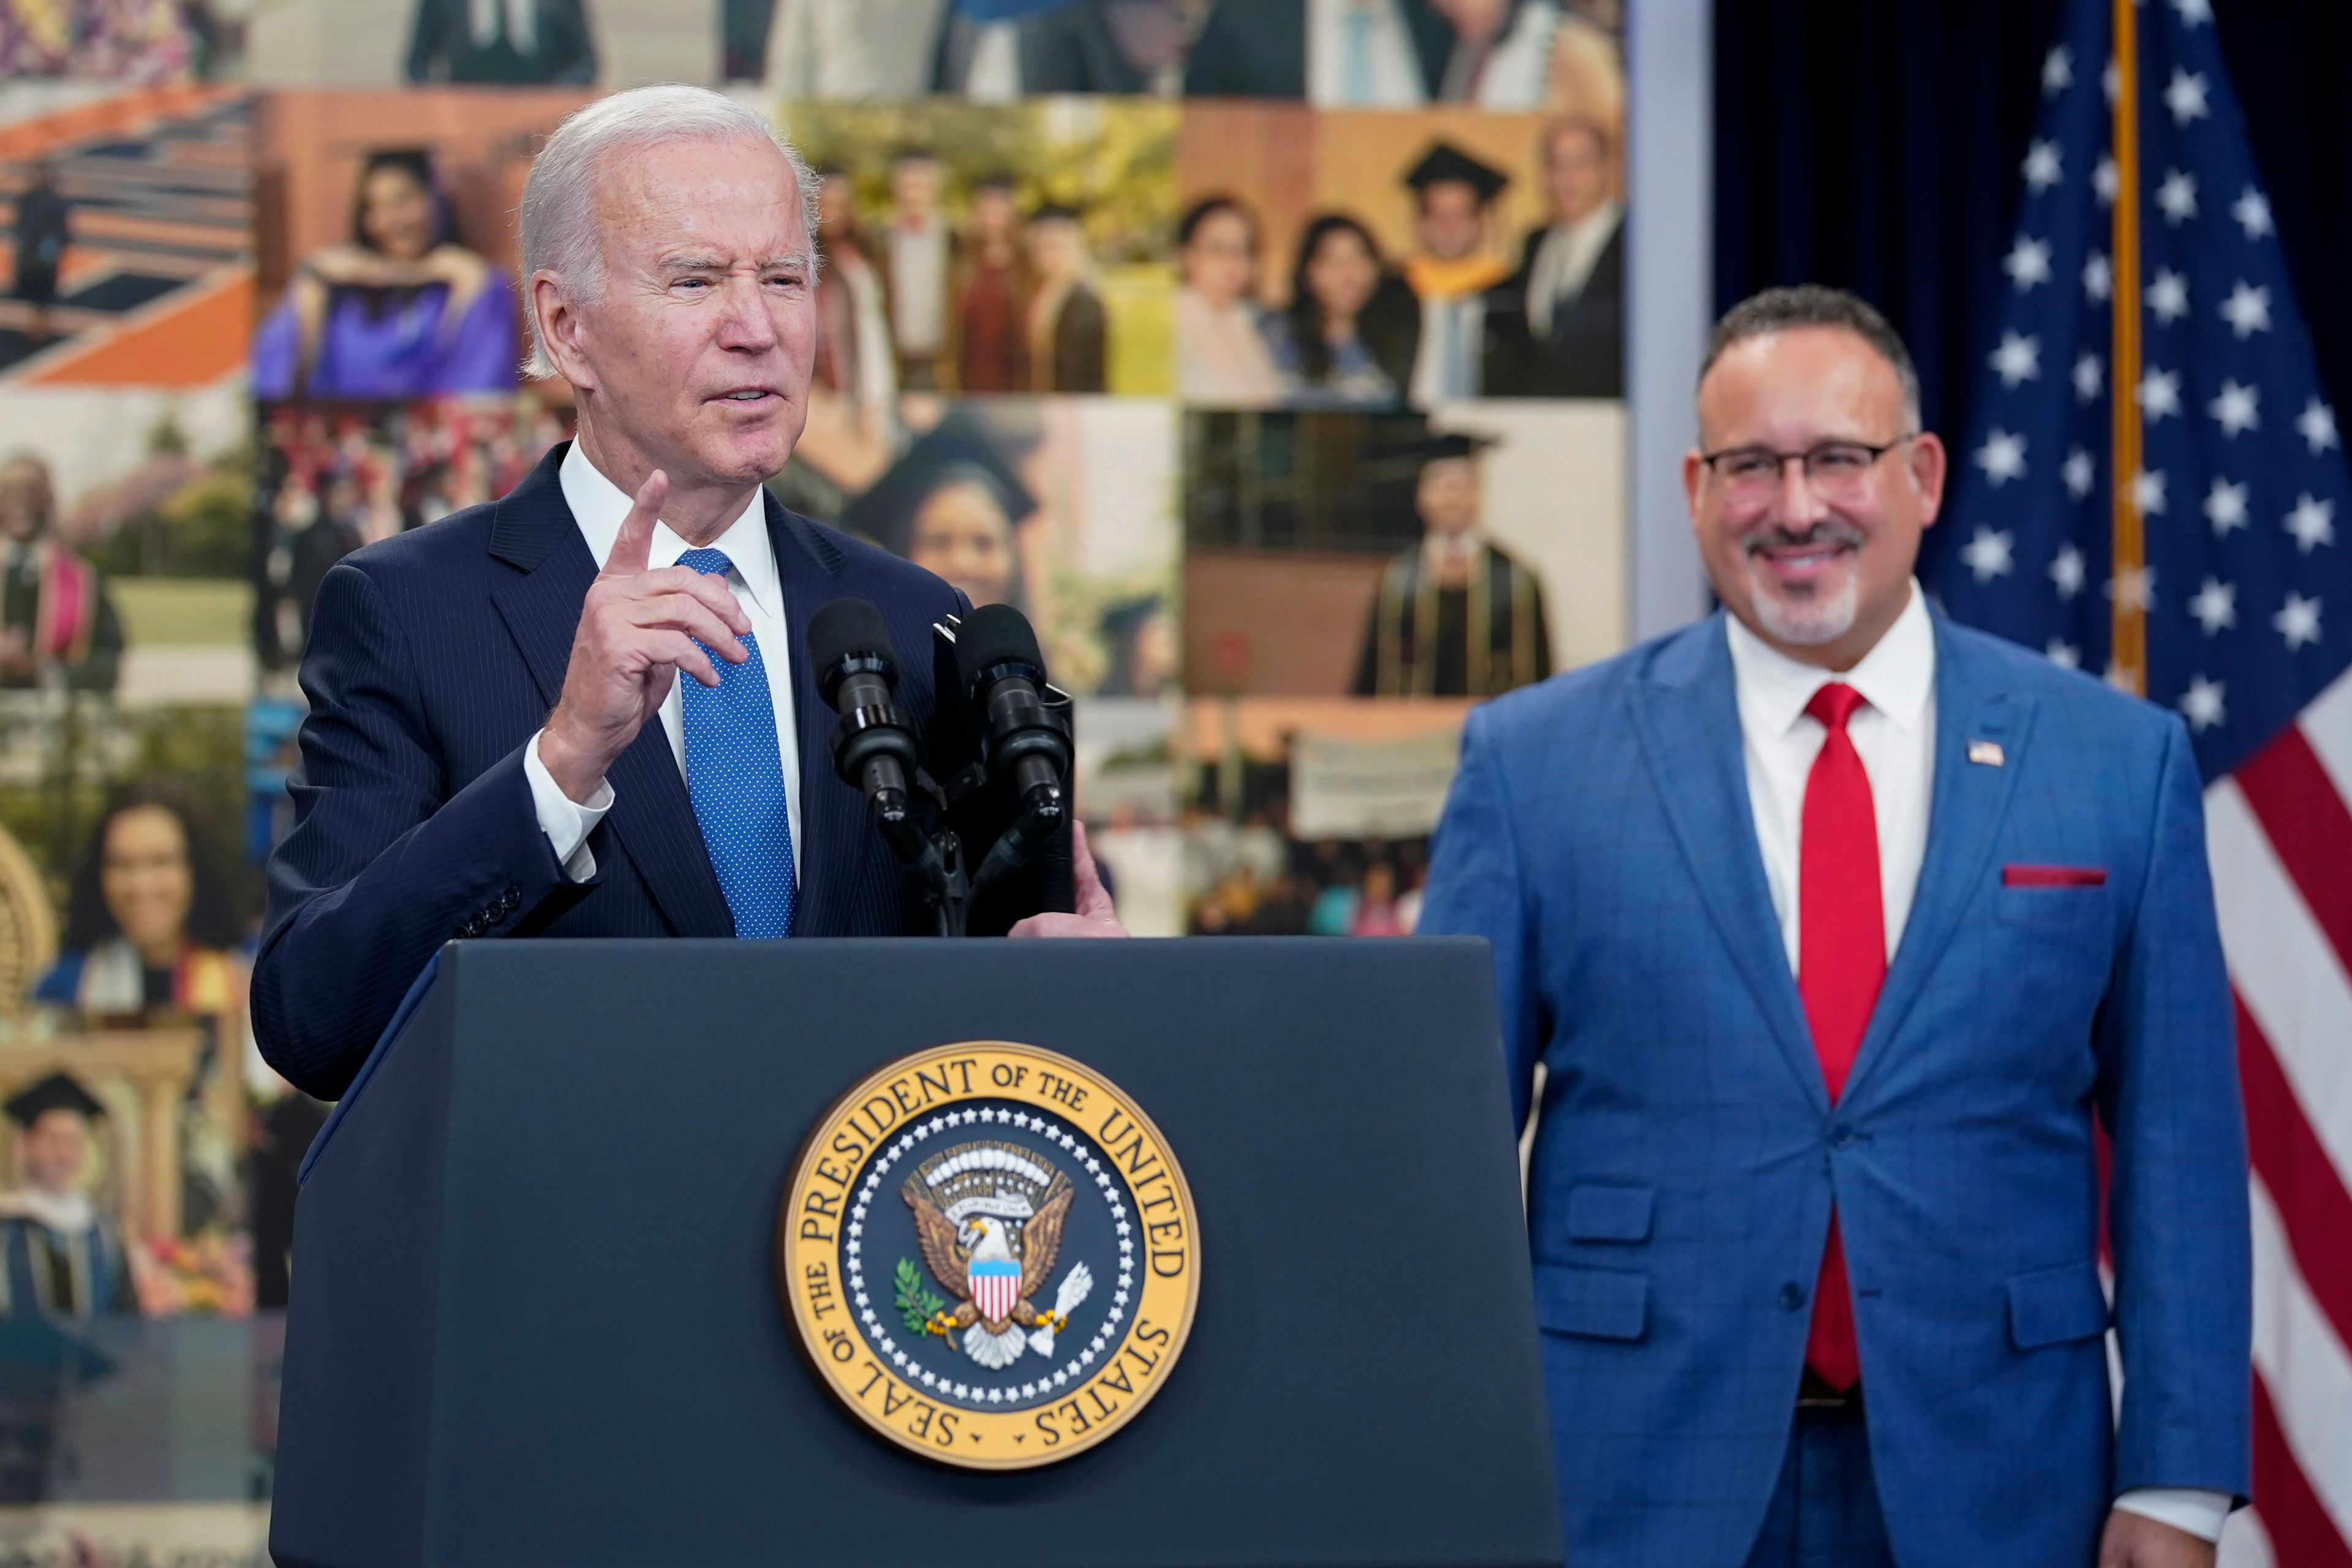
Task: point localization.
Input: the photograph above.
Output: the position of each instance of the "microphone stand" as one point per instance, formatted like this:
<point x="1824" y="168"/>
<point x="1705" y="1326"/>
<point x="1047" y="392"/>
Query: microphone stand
<point x="937" y="859"/>
<point x="873" y="748"/>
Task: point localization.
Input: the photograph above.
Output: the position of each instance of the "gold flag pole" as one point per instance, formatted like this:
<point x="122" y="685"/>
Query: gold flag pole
<point x="2128" y="664"/>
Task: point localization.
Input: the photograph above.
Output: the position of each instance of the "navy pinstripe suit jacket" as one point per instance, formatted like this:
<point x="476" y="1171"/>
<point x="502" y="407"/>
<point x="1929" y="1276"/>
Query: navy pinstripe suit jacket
<point x="433" y="657"/>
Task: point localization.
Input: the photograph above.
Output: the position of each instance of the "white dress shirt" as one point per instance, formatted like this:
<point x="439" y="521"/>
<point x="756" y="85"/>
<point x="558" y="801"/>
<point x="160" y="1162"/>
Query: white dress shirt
<point x="1565" y="258"/>
<point x="598" y="506"/>
<point x="1359" y="56"/>
<point x="1896" y="735"/>
<point x="917" y="259"/>
<point x="852" y="48"/>
<point x="1447" y="367"/>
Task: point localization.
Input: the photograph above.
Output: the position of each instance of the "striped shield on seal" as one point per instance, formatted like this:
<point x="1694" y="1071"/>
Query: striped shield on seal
<point x="995" y="1286"/>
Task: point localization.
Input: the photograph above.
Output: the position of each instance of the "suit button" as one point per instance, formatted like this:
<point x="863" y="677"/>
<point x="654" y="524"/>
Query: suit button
<point x="1843" y="1136"/>
<point x="1792" y="1296"/>
<point x="509" y="899"/>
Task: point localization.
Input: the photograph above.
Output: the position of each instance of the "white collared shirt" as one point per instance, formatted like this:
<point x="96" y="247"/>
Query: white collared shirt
<point x="1896" y="735"/>
<point x="599" y="507"/>
<point x="917" y="259"/>
<point x="1359" y="56"/>
<point x="1565" y="258"/>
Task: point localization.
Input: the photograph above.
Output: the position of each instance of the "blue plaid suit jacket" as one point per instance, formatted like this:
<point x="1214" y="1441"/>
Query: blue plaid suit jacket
<point x="1599" y="835"/>
<point x="433" y="657"/>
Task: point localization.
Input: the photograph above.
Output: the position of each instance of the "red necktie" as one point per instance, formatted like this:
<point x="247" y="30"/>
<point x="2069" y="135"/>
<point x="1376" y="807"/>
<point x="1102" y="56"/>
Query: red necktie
<point x="1840" y="962"/>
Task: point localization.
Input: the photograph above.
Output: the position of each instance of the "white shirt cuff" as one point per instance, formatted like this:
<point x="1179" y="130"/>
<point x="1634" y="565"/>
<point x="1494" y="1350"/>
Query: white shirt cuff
<point x="565" y="821"/>
<point x="2199" y="1513"/>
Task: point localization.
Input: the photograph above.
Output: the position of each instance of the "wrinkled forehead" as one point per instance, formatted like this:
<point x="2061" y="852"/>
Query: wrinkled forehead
<point x="736" y="200"/>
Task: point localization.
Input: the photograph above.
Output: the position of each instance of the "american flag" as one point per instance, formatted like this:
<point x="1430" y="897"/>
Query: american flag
<point x="2156" y="488"/>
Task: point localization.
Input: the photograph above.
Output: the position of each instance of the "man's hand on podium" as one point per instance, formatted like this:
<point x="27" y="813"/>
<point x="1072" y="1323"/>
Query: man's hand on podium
<point x="1095" y="915"/>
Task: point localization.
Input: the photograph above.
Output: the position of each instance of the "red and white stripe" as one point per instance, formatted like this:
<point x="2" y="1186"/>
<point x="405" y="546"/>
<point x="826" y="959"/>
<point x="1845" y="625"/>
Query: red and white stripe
<point x="2280" y="836"/>
<point x="995" y="1294"/>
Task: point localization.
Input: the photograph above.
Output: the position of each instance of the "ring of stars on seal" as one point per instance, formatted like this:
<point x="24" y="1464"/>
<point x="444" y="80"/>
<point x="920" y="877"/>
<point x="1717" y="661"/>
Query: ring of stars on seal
<point x="990" y="1255"/>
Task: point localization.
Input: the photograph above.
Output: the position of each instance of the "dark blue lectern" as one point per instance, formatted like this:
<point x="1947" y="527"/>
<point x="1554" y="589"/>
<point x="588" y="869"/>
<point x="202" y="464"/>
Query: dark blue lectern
<point x="535" y="1318"/>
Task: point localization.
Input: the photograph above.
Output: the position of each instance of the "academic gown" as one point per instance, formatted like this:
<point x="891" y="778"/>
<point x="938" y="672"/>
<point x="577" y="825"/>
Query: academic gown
<point x="1479" y="640"/>
<point x="57" y="1274"/>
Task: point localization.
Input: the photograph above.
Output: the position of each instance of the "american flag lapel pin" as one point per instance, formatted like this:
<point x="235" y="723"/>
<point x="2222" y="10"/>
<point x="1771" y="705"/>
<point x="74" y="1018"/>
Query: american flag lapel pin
<point x="1985" y="752"/>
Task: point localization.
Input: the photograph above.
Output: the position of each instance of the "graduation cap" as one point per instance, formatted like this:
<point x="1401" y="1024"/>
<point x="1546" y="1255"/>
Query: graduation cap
<point x="56" y="1092"/>
<point x="1440" y="445"/>
<point x="1123" y="619"/>
<point x="1446" y="162"/>
<point x="955" y="449"/>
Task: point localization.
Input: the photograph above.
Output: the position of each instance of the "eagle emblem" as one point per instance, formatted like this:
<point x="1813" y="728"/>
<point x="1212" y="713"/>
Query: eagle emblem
<point x="988" y="1219"/>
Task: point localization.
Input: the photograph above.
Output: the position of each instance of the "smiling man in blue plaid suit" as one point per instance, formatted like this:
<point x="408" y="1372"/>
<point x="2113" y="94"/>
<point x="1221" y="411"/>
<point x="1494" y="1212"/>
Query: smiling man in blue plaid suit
<point x="1841" y="930"/>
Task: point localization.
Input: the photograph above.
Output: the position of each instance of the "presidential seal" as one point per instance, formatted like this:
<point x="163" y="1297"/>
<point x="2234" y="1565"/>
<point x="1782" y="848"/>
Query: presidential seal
<point x="990" y="1255"/>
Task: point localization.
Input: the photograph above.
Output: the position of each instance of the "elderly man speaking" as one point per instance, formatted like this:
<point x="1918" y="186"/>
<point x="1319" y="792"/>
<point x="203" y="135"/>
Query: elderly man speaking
<point x="500" y="740"/>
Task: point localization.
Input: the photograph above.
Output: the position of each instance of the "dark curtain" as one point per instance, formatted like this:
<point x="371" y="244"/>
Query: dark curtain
<point x="1877" y="146"/>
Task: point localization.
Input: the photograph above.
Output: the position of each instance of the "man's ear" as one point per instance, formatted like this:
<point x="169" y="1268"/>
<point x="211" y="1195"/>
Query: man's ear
<point x="562" y="332"/>
<point x="1928" y="464"/>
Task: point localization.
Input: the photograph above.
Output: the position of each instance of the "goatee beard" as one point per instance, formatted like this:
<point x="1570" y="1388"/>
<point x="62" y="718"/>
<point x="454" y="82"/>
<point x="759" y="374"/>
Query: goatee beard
<point x="1814" y="621"/>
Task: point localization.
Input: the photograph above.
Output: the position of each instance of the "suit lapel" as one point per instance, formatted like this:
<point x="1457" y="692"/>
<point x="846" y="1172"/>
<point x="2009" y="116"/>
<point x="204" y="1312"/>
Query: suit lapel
<point x="807" y="565"/>
<point x="651" y="818"/>
<point x="1688" y="718"/>
<point x="1965" y="810"/>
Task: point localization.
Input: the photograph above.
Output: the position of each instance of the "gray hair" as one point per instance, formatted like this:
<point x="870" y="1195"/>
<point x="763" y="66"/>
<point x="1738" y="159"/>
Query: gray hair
<point x="1813" y="305"/>
<point x="559" y="231"/>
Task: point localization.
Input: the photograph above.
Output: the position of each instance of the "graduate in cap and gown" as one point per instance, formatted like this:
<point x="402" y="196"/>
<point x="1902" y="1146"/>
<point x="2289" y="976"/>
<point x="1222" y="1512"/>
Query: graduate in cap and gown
<point x="953" y="505"/>
<point x="61" y="1264"/>
<point x="58" y="621"/>
<point x="60" y="1257"/>
<point x="1451" y="272"/>
<point x="1454" y="616"/>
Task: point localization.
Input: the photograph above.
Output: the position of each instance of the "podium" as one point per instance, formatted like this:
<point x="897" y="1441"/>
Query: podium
<point x="536" y="1317"/>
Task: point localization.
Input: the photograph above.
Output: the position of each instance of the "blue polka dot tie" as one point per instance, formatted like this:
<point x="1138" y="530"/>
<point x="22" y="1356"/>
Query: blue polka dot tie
<point x="735" y="775"/>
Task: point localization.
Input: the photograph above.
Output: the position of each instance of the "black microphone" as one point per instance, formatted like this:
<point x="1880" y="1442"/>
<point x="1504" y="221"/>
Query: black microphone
<point x="1001" y="670"/>
<point x="874" y="747"/>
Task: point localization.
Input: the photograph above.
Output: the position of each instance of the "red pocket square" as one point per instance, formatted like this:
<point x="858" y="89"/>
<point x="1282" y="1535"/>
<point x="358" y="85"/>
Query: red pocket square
<point x="2054" y="876"/>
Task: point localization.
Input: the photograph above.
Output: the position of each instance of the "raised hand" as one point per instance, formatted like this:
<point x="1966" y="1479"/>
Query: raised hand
<point x="637" y="629"/>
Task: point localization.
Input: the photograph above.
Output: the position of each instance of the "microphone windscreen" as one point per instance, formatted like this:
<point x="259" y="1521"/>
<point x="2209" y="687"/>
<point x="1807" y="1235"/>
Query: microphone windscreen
<point x="994" y="635"/>
<point x="848" y="626"/>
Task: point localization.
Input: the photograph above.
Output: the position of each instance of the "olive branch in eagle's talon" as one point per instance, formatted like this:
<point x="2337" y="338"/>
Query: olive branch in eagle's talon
<point x="923" y="1312"/>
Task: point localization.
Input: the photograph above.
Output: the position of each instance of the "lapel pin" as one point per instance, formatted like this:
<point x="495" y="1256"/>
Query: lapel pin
<point x="1985" y="752"/>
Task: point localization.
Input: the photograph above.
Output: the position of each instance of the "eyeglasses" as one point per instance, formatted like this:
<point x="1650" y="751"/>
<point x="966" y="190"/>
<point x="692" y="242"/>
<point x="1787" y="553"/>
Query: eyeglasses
<point x="1837" y="470"/>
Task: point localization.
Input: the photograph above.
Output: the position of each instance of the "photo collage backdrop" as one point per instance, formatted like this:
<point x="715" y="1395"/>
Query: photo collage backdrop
<point x="1267" y="354"/>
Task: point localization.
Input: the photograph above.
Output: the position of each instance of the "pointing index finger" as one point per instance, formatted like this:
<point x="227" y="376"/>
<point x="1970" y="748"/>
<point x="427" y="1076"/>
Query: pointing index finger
<point x="633" y="547"/>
